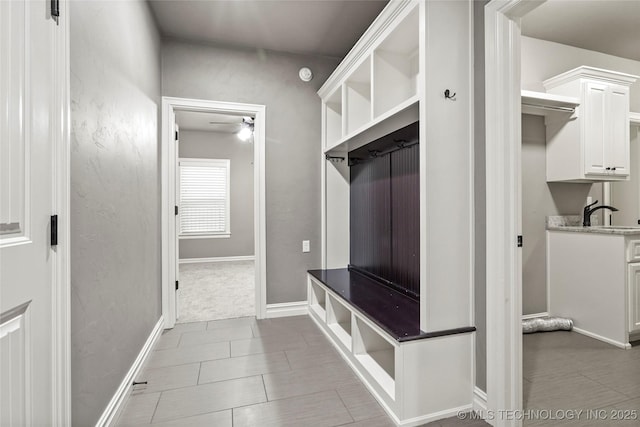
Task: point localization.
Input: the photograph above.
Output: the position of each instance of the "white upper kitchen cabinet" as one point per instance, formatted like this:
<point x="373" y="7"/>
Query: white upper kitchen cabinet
<point x="591" y="144"/>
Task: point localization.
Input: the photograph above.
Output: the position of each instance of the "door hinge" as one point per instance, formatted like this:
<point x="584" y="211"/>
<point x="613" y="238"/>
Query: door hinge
<point x="55" y="11"/>
<point x="176" y="210"/>
<point x="519" y="241"/>
<point x="54" y="230"/>
<point x="177" y="136"/>
<point x="177" y="286"/>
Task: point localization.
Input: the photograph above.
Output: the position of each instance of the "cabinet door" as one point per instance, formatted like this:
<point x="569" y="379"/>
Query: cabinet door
<point x="634" y="297"/>
<point x="617" y="155"/>
<point x="595" y="131"/>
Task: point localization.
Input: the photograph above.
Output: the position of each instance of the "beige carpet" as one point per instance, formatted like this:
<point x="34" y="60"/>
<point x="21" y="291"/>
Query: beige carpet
<point x="216" y="290"/>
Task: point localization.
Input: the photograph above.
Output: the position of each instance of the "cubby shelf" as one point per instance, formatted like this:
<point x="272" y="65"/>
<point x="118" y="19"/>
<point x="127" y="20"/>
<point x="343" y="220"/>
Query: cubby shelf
<point x="339" y="321"/>
<point x="634" y="118"/>
<point x="317" y="300"/>
<point x="404" y="375"/>
<point x="399" y="116"/>
<point x="384" y="83"/>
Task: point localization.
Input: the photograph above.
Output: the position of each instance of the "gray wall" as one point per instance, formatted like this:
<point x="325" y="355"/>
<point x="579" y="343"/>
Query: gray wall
<point x="480" y="272"/>
<point x="292" y="142"/>
<point x="219" y="145"/>
<point x="115" y="243"/>
<point x="540" y="199"/>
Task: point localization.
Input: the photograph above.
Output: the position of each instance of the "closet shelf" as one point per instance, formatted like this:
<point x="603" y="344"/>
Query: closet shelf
<point x="402" y="115"/>
<point x="543" y="104"/>
<point x="634" y="118"/>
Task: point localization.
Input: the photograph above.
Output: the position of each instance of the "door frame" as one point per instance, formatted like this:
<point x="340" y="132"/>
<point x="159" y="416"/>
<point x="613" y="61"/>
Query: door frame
<point x="168" y="174"/>
<point x="61" y="187"/>
<point x="503" y="197"/>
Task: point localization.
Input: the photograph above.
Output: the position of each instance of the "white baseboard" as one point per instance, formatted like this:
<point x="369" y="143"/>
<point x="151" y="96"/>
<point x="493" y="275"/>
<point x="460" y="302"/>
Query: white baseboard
<point x="217" y="259"/>
<point x="480" y="404"/>
<point x="297" y="308"/>
<point x="110" y="414"/>
<point x="618" y="344"/>
<point x="534" y="315"/>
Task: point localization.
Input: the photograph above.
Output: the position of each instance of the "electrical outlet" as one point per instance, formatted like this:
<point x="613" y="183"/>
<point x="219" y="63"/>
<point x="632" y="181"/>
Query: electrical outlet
<point x="305" y="246"/>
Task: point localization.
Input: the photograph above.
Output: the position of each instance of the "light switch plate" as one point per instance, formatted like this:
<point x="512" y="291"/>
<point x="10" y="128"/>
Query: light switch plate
<point x="305" y="246"/>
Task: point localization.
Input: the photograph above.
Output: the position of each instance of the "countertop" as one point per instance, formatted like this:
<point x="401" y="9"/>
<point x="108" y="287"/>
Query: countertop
<point x="598" y="229"/>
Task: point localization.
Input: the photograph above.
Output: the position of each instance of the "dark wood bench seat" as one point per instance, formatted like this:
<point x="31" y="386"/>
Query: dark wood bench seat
<point x="394" y="312"/>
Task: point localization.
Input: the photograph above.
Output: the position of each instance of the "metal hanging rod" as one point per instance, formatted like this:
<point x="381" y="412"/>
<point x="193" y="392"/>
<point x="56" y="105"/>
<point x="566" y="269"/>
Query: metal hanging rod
<point x="401" y="145"/>
<point x="551" y="108"/>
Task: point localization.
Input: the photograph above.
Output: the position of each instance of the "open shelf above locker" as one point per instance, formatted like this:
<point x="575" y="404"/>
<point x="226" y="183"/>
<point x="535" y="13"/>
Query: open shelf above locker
<point x="542" y="104"/>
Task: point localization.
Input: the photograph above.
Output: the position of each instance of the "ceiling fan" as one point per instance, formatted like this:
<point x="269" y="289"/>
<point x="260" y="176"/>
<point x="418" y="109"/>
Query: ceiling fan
<point x="246" y="127"/>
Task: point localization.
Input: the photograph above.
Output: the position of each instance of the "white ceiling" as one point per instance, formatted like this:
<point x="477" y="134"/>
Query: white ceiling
<point x="195" y="120"/>
<point x="607" y="26"/>
<point x="315" y="27"/>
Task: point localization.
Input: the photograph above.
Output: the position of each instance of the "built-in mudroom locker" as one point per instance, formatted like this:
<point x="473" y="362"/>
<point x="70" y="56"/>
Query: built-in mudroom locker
<point x="394" y="293"/>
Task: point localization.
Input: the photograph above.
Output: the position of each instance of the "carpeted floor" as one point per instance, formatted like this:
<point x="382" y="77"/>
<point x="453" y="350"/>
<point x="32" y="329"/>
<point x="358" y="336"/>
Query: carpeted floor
<point x="216" y="290"/>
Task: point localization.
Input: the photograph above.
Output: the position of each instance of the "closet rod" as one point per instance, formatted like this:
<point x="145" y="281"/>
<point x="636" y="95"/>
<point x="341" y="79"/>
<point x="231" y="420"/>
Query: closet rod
<point x="550" y="108"/>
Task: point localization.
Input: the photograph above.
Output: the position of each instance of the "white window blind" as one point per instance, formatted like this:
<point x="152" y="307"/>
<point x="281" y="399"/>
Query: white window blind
<point x="204" y="197"/>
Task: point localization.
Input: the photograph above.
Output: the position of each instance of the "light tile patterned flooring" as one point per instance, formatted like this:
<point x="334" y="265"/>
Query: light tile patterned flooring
<point x="568" y="371"/>
<point x="244" y="372"/>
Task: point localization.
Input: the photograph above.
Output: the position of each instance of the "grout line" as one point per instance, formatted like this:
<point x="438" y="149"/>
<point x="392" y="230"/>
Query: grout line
<point x="264" y="387"/>
<point x="156" y="408"/>
<point x="353" y="420"/>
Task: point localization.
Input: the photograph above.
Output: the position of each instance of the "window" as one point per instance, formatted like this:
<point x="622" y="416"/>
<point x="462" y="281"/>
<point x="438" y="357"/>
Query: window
<point x="204" y="198"/>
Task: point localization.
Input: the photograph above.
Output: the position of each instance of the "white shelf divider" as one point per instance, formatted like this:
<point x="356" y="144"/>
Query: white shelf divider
<point x="339" y="321"/>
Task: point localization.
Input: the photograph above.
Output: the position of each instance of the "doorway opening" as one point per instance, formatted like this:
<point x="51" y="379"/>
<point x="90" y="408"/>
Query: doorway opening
<point x="213" y="210"/>
<point x="214" y="191"/>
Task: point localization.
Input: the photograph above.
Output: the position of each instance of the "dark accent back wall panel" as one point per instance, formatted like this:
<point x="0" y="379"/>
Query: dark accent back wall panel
<point x="385" y="217"/>
<point x="370" y="222"/>
<point x="405" y="218"/>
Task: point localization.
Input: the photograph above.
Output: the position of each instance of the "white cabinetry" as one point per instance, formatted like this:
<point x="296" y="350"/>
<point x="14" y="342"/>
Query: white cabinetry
<point x="594" y="279"/>
<point x="395" y="75"/>
<point x="592" y="144"/>
<point x="634" y="298"/>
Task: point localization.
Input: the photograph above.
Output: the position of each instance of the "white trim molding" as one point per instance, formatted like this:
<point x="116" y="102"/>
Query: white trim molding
<point x="112" y="411"/>
<point x="286" y="309"/>
<point x="503" y="200"/>
<point x="625" y="346"/>
<point x="534" y="315"/>
<point x="217" y="259"/>
<point x="480" y="402"/>
<point x="168" y="174"/>
<point x="61" y="310"/>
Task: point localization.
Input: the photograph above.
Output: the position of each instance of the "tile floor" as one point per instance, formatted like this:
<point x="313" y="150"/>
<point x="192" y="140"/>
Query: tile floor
<point x="569" y="371"/>
<point x="244" y="372"/>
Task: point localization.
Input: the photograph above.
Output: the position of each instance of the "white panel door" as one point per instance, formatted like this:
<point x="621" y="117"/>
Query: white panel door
<point x="634" y="297"/>
<point x="595" y="132"/>
<point x="618" y="121"/>
<point x="26" y="201"/>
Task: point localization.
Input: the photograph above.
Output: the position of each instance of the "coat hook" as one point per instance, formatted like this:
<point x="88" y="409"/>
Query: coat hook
<point x="447" y="95"/>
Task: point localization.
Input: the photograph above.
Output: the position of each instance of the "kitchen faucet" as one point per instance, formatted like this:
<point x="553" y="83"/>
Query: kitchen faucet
<point x="586" y="217"/>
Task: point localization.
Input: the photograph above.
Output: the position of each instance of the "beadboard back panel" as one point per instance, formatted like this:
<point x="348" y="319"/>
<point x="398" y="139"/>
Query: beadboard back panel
<point x="385" y="212"/>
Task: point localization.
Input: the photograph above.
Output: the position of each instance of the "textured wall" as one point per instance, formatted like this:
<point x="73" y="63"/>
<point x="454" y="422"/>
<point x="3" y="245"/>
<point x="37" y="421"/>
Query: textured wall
<point x="115" y="244"/>
<point x="292" y="142"/>
<point x="218" y="145"/>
